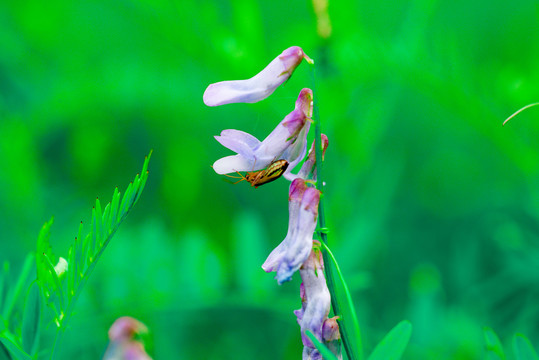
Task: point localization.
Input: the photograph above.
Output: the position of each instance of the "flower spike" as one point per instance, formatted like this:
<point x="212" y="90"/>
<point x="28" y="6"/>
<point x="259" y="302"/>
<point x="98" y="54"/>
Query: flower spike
<point x="259" y="86"/>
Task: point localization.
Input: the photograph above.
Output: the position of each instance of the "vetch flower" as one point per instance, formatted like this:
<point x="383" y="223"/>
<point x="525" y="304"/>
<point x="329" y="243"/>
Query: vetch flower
<point x="316" y="300"/>
<point x="315" y="306"/>
<point x="292" y="252"/>
<point x="123" y="345"/>
<point x="259" y="86"/>
<point x="296" y="152"/>
<point x="253" y="154"/>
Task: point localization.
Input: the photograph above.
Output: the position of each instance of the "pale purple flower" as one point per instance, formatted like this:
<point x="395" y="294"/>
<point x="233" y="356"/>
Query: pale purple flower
<point x="281" y="143"/>
<point x="316" y="301"/>
<point x="315" y="306"/>
<point x="259" y="86"/>
<point x="297" y="151"/>
<point x="292" y="252"/>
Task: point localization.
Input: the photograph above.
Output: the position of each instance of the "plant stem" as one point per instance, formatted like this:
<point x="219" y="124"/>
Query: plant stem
<point x="322" y="222"/>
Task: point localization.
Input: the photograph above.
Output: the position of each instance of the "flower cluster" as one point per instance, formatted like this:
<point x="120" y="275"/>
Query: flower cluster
<point x="263" y="160"/>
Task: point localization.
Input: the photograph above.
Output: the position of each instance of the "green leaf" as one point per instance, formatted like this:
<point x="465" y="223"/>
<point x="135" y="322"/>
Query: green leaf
<point x="98" y="223"/>
<point x="493" y="346"/>
<point x="72" y="269"/>
<point x="114" y="207"/>
<point x="106" y="220"/>
<point x="57" y="284"/>
<point x="523" y="349"/>
<point x="44" y="247"/>
<point x="104" y="224"/>
<point x="4" y="353"/>
<point x="31" y="319"/>
<point x="14" y="349"/>
<point x="4" y="285"/>
<point x="326" y="353"/>
<point x="394" y="343"/>
<point x="348" y="312"/>
<point x="127" y="194"/>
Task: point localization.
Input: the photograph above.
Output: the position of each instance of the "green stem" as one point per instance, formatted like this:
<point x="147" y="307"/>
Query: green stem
<point x="322" y="223"/>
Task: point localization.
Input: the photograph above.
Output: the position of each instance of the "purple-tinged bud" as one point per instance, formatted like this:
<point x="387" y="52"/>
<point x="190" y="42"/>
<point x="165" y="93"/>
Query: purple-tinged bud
<point x="308" y="169"/>
<point x="330" y="329"/>
<point x="259" y="86"/>
<point x="332" y="336"/>
<point x="123" y="345"/>
<point x="305" y="102"/>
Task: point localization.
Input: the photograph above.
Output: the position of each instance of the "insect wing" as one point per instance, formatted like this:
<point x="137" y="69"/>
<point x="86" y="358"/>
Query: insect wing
<point x="271" y="173"/>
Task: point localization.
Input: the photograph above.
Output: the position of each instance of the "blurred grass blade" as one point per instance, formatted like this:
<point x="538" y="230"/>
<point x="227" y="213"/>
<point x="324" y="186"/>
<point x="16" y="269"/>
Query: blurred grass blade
<point x="394" y="343"/>
<point x="523" y="349"/>
<point x="348" y="314"/>
<point x="15" y="292"/>
<point x="4" y="353"/>
<point x="31" y="319"/>
<point x="493" y="346"/>
<point x="326" y="353"/>
<point x="15" y="350"/>
<point x="4" y="285"/>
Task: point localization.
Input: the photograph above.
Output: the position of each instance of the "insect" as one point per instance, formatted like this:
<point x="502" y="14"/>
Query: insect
<point x="264" y="176"/>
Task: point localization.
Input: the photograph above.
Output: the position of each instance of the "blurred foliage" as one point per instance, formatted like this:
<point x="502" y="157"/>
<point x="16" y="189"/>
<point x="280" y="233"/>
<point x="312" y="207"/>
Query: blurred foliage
<point x="433" y="206"/>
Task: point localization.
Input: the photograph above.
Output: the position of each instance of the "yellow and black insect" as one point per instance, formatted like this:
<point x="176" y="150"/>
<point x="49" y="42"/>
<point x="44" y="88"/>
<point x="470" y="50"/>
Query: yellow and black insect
<point x="264" y="176"/>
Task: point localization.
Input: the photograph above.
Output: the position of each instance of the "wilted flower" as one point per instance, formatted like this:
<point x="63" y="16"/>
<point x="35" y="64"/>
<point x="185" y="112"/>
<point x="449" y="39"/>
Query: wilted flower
<point x="123" y="345"/>
<point x="279" y="144"/>
<point x="259" y="86"/>
<point x="292" y="252"/>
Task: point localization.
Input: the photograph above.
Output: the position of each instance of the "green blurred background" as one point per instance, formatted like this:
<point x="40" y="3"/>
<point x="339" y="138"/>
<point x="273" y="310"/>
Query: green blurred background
<point x="433" y="206"/>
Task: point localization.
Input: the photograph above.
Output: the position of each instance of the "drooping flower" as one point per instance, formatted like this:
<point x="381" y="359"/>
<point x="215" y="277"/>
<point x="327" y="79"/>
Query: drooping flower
<point x="123" y="345"/>
<point x="253" y="154"/>
<point x="315" y="306"/>
<point x="259" y="86"/>
<point x="292" y="252"/>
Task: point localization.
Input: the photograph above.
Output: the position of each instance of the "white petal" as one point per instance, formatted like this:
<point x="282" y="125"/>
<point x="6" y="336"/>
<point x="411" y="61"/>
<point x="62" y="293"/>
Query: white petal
<point x="243" y="136"/>
<point x="236" y="91"/>
<point x="233" y="163"/>
<point x="259" y="86"/>
<point x="239" y="142"/>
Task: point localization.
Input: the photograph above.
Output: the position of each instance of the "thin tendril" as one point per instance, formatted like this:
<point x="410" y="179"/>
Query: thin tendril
<point x="519" y="111"/>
